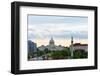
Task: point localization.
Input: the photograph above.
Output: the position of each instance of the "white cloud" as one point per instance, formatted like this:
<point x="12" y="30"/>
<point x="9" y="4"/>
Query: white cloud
<point x="57" y="30"/>
<point x="57" y="27"/>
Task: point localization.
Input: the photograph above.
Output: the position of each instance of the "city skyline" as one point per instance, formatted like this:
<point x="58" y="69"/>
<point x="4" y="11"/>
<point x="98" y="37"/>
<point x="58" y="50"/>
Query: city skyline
<point x="64" y="42"/>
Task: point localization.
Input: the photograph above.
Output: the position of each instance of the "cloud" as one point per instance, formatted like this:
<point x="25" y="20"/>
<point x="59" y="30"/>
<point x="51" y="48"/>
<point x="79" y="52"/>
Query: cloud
<point x="40" y="27"/>
<point x="57" y="31"/>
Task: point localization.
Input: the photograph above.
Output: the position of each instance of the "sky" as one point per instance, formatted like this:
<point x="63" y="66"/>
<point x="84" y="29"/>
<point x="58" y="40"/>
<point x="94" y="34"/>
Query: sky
<point x="42" y="27"/>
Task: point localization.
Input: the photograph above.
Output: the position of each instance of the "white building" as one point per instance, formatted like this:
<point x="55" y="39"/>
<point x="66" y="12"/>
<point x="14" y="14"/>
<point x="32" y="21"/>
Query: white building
<point x="51" y="46"/>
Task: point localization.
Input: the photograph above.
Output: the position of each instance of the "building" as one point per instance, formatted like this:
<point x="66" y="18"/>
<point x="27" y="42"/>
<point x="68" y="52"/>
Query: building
<point x="32" y="47"/>
<point x="78" y="46"/>
<point x="51" y="46"/>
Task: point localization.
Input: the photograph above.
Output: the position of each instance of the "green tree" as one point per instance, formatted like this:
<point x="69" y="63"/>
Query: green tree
<point x="80" y="54"/>
<point x="40" y="53"/>
<point x="63" y="54"/>
<point x="46" y="50"/>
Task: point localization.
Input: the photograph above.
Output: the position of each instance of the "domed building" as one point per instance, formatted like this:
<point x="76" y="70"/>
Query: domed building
<point x="51" y="46"/>
<point x="51" y="42"/>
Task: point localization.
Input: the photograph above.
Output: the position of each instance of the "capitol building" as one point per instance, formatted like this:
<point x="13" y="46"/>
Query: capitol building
<point x="51" y="46"/>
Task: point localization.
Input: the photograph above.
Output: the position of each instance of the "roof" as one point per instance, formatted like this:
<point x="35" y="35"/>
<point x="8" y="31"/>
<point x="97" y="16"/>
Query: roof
<point x="79" y="44"/>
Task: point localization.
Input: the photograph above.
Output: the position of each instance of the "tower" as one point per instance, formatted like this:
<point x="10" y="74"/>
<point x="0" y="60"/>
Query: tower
<point x="71" y="40"/>
<point x="71" y="47"/>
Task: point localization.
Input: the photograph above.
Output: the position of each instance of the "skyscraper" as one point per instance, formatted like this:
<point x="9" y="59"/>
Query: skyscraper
<point x="32" y="47"/>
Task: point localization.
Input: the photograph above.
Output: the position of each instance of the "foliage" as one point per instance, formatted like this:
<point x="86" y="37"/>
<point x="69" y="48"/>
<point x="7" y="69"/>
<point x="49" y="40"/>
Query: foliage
<point x="63" y="54"/>
<point x="46" y="50"/>
<point x="40" y="53"/>
<point x="80" y="54"/>
<point x="59" y="54"/>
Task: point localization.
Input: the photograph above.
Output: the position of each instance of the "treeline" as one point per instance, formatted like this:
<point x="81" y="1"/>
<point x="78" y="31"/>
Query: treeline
<point x="56" y="54"/>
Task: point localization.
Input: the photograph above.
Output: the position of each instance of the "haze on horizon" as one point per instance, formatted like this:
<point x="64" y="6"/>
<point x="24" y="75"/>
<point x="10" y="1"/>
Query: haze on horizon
<point x="61" y="28"/>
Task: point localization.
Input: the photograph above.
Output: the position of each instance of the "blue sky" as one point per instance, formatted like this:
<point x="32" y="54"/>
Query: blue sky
<point x="58" y="27"/>
<point x="36" y="19"/>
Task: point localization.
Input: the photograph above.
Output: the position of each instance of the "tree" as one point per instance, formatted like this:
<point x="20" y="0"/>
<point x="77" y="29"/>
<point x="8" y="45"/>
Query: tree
<point x="46" y="50"/>
<point x="55" y="55"/>
<point x="63" y="54"/>
<point x="29" y="55"/>
<point x="40" y="53"/>
<point x="80" y="53"/>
